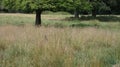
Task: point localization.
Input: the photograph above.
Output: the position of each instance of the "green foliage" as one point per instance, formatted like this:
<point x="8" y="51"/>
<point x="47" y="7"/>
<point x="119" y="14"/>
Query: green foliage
<point x="23" y="5"/>
<point x="11" y="4"/>
<point x="61" y="5"/>
<point x="69" y="5"/>
<point x="102" y="6"/>
<point x="82" y="5"/>
<point x="41" y="4"/>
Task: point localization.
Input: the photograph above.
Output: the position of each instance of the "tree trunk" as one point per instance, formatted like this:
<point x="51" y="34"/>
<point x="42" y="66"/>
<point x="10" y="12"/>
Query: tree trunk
<point x="76" y="13"/>
<point x="38" y="17"/>
<point x="94" y="13"/>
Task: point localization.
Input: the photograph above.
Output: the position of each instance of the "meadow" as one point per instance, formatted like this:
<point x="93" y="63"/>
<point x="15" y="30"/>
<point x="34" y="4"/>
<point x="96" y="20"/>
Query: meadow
<point x="60" y="41"/>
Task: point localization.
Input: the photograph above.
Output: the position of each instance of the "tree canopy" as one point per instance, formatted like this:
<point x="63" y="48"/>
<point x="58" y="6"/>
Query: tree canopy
<point x="75" y="6"/>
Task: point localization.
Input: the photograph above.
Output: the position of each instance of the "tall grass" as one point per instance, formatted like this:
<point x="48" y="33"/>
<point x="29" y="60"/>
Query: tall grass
<point x="29" y="46"/>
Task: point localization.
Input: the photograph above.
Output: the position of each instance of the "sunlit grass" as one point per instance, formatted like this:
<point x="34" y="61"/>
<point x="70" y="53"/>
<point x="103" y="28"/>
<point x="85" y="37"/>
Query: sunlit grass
<point x="59" y="42"/>
<point x="58" y="21"/>
<point x="29" y="46"/>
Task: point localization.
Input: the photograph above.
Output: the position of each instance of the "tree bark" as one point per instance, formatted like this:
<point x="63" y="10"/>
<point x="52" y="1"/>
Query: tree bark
<point x="94" y="8"/>
<point x="94" y="13"/>
<point x="76" y="13"/>
<point x="38" y="17"/>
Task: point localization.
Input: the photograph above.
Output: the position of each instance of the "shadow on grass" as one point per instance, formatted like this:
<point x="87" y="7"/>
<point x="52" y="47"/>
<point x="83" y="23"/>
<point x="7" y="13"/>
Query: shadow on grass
<point x="83" y="25"/>
<point x="99" y="18"/>
<point x="61" y="25"/>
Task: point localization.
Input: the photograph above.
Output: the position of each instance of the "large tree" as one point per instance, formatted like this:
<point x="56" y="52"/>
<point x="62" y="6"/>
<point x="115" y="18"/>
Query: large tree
<point x="79" y="6"/>
<point x="114" y="5"/>
<point x="37" y="5"/>
<point x="96" y="4"/>
<point x="75" y="6"/>
<point x="104" y="5"/>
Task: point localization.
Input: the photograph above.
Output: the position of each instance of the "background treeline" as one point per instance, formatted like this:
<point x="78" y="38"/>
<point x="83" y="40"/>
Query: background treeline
<point x="82" y="6"/>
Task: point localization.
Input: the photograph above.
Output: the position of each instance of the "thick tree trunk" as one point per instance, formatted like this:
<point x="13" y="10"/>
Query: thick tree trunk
<point x="38" y="18"/>
<point x="76" y="14"/>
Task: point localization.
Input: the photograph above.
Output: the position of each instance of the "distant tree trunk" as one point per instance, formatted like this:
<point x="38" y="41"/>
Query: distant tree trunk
<point x="76" y="14"/>
<point x="94" y="13"/>
<point x="38" y="17"/>
<point x="94" y="8"/>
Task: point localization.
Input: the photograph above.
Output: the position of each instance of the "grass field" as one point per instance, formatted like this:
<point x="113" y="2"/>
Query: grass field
<point x="107" y="22"/>
<point x="59" y="42"/>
